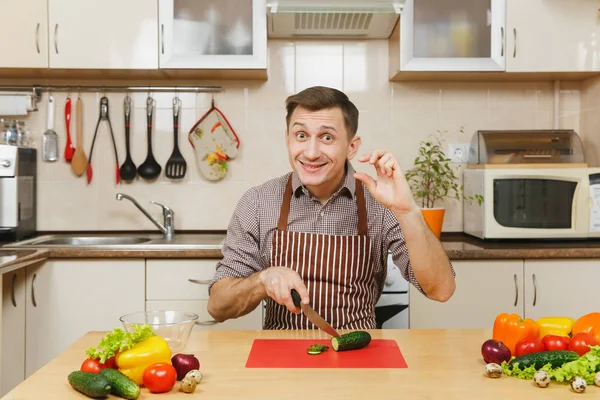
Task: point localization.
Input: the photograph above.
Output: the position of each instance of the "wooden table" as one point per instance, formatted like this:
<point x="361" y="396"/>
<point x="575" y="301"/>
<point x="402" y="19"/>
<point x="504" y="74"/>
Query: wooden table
<point x="442" y="364"/>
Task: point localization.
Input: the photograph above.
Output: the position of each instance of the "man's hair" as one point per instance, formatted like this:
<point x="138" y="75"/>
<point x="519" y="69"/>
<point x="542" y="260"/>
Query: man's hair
<point x="318" y="98"/>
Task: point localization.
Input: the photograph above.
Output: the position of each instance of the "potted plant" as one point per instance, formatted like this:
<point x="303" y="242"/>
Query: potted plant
<point x="433" y="179"/>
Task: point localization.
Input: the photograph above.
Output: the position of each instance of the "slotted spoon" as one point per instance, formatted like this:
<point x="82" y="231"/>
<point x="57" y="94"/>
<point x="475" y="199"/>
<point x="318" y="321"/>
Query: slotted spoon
<point x="176" y="166"/>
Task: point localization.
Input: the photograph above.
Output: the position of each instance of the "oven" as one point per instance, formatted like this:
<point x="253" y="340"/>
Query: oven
<point x="392" y="311"/>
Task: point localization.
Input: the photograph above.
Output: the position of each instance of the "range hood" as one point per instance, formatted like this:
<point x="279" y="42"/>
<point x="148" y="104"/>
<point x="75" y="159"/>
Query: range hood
<point x="343" y="19"/>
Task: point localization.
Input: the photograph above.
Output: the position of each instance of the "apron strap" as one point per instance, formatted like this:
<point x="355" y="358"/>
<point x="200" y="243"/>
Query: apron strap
<point x="285" y="206"/>
<point x="361" y="206"/>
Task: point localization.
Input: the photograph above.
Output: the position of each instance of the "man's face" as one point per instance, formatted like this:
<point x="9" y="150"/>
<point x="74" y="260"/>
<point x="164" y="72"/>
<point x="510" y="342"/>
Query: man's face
<point x="318" y="146"/>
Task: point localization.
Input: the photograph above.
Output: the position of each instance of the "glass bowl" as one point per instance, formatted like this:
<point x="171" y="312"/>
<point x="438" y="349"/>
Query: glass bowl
<point x="173" y="326"/>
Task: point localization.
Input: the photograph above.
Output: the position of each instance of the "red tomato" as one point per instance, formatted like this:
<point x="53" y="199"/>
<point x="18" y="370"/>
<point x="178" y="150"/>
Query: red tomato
<point x="555" y="342"/>
<point x="92" y="365"/>
<point x="530" y="344"/>
<point x="580" y="343"/>
<point x="159" y="377"/>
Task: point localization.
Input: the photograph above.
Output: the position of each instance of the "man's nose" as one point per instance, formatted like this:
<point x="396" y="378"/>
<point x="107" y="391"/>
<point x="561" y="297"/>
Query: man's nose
<point x="312" y="150"/>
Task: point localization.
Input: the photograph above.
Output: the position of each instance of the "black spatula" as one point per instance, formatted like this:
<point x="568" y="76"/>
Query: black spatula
<point x="176" y="165"/>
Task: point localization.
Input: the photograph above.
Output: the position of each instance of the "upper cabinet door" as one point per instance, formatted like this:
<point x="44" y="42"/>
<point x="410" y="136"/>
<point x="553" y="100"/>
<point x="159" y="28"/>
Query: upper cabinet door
<point x="103" y="34"/>
<point x="24" y="31"/>
<point x="213" y="34"/>
<point x="553" y="36"/>
<point x="452" y="35"/>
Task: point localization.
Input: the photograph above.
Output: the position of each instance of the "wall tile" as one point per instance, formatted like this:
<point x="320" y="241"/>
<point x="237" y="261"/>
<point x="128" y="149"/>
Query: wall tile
<point x="319" y="63"/>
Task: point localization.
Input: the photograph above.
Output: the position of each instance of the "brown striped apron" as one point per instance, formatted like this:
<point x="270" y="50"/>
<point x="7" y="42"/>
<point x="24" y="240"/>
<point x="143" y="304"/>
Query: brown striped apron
<point x="337" y="270"/>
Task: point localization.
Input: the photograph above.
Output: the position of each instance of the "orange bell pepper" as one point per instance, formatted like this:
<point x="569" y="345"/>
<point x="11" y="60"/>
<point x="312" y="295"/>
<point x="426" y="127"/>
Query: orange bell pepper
<point x="589" y="323"/>
<point x="510" y="328"/>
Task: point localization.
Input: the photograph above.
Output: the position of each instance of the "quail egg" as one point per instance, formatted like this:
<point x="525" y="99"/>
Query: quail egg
<point x="597" y="379"/>
<point x="541" y="379"/>
<point x="188" y="385"/>
<point x="493" y="370"/>
<point x="578" y="384"/>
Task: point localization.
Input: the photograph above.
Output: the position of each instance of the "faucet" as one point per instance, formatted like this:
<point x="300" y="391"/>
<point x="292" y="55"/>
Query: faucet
<point x="169" y="216"/>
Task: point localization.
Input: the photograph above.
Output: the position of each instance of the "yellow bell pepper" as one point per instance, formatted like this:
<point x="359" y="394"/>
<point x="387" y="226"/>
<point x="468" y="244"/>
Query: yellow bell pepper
<point x="560" y="326"/>
<point x="134" y="361"/>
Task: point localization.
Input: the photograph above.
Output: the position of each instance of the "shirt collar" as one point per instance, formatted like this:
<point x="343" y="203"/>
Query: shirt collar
<point x="348" y="187"/>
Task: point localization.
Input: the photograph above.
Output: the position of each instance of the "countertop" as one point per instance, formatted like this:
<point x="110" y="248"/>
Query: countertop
<point x="442" y="364"/>
<point x="12" y="259"/>
<point x="458" y="246"/>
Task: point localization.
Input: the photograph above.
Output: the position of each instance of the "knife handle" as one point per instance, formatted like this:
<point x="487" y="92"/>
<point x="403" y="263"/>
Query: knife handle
<point x="296" y="298"/>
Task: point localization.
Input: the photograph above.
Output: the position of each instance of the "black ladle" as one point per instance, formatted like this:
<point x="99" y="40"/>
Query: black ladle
<point x="128" y="170"/>
<point x="149" y="169"/>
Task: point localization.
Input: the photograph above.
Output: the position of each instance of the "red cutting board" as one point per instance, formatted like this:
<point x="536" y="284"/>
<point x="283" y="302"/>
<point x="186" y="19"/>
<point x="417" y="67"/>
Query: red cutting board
<point x="279" y="353"/>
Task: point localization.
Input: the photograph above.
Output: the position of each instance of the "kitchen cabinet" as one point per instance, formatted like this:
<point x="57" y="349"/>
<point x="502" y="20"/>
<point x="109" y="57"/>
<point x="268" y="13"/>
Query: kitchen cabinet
<point x="103" y="34"/>
<point x="213" y="34"/>
<point x="552" y="36"/>
<point x="561" y="287"/>
<point x="12" y="371"/>
<point x="484" y="289"/>
<point x="66" y="298"/>
<point x="453" y="35"/>
<point x="182" y="284"/>
<point x="24" y="32"/>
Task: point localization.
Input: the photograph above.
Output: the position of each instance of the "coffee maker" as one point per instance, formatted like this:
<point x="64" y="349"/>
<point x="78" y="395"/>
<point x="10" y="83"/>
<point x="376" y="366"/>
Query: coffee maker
<point x="18" y="181"/>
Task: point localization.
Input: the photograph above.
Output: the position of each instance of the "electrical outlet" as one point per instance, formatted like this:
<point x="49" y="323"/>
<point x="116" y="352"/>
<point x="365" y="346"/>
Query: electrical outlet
<point x="458" y="153"/>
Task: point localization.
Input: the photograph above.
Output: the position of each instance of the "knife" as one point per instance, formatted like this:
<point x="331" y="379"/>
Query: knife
<point x="313" y="316"/>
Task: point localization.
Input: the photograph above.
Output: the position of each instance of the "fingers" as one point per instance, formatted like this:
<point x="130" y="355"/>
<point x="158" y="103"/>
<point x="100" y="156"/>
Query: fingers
<point x="279" y="284"/>
<point x="383" y="161"/>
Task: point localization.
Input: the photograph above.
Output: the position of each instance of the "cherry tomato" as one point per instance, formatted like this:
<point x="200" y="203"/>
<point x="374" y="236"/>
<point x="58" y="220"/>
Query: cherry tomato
<point x="555" y="342"/>
<point x="530" y="344"/>
<point x="92" y="365"/>
<point x="580" y="343"/>
<point x="159" y="377"/>
<point x="111" y="363"/>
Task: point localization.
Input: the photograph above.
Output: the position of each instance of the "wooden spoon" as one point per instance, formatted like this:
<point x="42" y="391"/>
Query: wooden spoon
<point x="79" y="161"/>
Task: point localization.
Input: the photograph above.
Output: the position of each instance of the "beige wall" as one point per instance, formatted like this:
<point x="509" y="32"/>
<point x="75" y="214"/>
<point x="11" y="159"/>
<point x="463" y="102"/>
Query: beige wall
<point x="393" y="115"/>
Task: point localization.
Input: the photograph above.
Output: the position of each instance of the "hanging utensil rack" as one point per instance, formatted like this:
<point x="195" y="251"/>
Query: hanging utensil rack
<point x="36" y="90"/>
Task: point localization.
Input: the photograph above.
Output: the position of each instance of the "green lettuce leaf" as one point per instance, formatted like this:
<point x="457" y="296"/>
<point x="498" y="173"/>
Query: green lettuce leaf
<point x="584" y="367"/>
<point x="119" y="340"/>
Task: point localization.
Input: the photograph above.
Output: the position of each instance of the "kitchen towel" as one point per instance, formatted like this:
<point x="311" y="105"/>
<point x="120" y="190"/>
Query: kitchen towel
<point x="15" y="104"/>
<point x="291" y="353"/>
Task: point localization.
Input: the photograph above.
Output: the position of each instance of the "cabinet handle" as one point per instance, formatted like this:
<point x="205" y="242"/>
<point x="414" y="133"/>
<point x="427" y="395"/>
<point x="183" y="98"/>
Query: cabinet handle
<point x="534" y="290"/>
<point x="37" y="38"/>
<point x="55" y="42"/>
<point x="33" y="290"/>
<point x="162" y="38"/>
<point x="199" y="282"/>
<point x="515" y="49"/>
<point x="12" y="294"/>
<point x="204" y="323"/>
<point x="516" y="291"/>
<point x="502" y="33"/>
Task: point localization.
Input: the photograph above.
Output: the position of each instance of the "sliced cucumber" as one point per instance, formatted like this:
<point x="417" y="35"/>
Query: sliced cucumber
<point x="351" y="341"/>
<point x="316" y="349"/>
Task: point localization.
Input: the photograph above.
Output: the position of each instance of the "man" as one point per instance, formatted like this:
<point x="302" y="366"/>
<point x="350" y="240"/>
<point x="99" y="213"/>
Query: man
<point x="317" y="230"/>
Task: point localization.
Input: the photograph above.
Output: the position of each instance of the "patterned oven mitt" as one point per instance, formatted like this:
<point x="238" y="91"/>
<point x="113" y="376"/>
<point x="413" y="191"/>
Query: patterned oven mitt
<point x="215" y="143"/>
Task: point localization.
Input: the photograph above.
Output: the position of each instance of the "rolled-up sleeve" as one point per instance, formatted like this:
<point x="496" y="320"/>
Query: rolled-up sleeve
<point x="397" y="246"/>
<point x="241" y="250"/>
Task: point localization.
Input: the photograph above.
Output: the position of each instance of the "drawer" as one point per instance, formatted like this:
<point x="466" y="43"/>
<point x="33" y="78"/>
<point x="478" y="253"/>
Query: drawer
<point x="250" y="321"/>
<point x="179" y="279"/>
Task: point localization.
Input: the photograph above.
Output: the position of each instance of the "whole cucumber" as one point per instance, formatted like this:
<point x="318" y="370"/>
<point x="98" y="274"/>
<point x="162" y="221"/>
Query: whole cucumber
<point x="120" y="384"/>
<point x="556" y="358"/>
<point x="92" y="385"/>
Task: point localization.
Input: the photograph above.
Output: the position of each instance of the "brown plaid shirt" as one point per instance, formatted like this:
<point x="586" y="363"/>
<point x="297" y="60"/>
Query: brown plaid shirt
<point x="247" y="248"/>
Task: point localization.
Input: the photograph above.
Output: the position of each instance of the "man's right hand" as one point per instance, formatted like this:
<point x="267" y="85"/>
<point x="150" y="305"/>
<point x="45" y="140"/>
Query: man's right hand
<point x="279" y="282"/>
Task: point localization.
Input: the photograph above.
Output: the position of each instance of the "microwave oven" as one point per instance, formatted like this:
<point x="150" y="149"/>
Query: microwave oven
<point x="532" y="203"/>
<point x="535" y="185"/>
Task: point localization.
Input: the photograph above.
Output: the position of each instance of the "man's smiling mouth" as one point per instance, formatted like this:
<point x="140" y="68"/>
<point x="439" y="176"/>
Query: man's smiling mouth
<point x="312" y="167"/>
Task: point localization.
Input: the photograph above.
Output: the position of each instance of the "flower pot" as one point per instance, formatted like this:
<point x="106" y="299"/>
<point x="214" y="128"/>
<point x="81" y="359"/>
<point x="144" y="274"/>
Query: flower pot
<point x="435" y="219"/>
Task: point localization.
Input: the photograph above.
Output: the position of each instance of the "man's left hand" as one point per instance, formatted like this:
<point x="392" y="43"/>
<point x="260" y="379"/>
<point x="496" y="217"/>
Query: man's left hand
<point x="391" y="188"/>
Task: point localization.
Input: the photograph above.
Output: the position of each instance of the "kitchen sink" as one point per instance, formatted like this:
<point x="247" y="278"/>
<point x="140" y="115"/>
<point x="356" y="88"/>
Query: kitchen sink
<point x="182" y="241"/>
